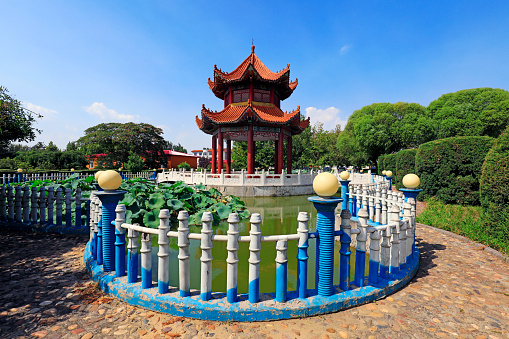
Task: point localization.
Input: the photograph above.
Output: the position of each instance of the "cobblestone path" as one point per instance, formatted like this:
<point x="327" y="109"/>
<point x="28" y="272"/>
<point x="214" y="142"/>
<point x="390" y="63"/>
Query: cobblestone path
<point x="460" y="291"/>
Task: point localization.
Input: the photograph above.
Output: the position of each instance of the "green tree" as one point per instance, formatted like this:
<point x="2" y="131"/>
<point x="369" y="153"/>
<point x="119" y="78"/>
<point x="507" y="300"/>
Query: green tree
<point x="383" y="128"/>
<point x="119" y="140"/>
<point x="471" y="112"/>
<point x="184" y="165"/>
<point x="16" y="122"/>
<point x="168" y="145"/>
<point x="134" y="163"/>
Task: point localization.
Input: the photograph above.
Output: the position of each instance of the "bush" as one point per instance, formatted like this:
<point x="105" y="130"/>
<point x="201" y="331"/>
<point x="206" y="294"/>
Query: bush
<point x="450" y="168"/>
<point x="184" y="165"/>
<point x="380" y="164"/>
<point x="405" y="163"/>
<point x="390" y="163"/>
<point x="494" y="189"/>
<point x="134" y="163"/>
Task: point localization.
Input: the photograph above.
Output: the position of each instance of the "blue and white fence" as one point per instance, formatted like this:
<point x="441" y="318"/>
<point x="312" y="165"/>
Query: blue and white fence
<point x="382" y="227"/>
<point x="25" y="208"/>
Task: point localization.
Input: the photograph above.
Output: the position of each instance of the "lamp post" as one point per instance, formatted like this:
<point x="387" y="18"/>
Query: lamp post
<point x="344" y="189"/>
<point x="411" y="181"/>
<point x="20" y="174"/>
<point x="109" y="181"/>
<point x="325" y="185"/>
<point x="389" y="177"/>
<point x="384" y="172"/>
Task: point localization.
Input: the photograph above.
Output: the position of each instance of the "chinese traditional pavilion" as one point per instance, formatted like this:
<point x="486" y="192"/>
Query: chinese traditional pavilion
<point x="252" y="94"/>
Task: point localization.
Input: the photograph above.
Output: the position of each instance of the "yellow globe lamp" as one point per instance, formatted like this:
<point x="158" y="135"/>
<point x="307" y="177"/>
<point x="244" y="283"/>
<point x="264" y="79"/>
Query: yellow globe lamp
<point x="97" y="175"/>
<point x="388" y="173"/>
<point x="72" y="169"/>
<point x="344" y="175"/>
<point x="325" y="185"/>
<point x="20" y="170"/>
<point x="411" y="181"/>
<point x="110" y="180"/>
<point x="384" y="172"/>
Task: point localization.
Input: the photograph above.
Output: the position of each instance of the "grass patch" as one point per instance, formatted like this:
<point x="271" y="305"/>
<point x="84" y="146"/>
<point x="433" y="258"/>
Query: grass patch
<point x="462" y="220"/>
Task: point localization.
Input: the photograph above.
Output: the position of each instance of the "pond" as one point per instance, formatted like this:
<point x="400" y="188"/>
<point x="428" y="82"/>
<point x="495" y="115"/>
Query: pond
<point x="279" y="216"/>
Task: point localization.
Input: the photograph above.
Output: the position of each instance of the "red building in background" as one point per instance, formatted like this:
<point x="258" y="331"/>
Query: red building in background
<point x="252" y="94"/>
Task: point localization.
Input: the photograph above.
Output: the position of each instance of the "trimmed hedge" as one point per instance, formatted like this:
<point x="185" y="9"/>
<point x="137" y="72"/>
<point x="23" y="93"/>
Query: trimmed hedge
<point x="390" y="163"/>
<point x="381" y="165"/>
<point x="495" y="189"/>
<point x="450" y="168"/>
<point x="405" y="163"/>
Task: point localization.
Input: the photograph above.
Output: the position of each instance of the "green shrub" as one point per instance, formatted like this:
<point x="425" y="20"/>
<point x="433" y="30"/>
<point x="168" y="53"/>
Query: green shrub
<point x="134" y="163"/>
<point x="184" y="165"/>
<point x="450" y="168"/>
<point x="494" y="190"/>
<point x="390" y="163"/>
<point x="405" y="163"/>
<point x="380" y="164"/>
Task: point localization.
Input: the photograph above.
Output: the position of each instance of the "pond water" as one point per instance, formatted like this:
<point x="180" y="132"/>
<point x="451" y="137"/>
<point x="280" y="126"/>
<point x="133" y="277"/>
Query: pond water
<point x="279" y="216"/>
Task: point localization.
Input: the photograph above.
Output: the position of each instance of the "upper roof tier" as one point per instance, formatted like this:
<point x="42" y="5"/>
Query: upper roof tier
<point x="252" y="68"/>
<point x="262" y="113"/>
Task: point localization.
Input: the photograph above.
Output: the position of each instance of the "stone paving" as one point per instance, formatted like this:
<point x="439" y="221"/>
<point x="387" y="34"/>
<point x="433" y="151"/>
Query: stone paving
<point x="460" y="291"/>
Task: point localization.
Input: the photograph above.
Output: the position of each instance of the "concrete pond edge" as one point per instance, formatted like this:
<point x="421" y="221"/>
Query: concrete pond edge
<point x="267" y="309"/>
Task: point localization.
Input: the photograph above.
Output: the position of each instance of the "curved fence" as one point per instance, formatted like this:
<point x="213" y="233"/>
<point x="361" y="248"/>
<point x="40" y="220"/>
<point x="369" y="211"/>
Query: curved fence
<point x="378" y="222"/>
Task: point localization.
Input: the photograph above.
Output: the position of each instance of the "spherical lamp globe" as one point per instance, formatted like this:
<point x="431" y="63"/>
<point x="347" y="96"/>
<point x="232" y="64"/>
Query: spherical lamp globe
<point x="411" y="181"/>
<point x="384" y="172"/>
<point x="325" y="184"/>
<point x="20" y="170"/>
<point x="97" y="175"/>
<point x="110" y="180"/>
<point x="72" y="169"/>
<point x="344" y="175"/>
<point x="388" y="173"/>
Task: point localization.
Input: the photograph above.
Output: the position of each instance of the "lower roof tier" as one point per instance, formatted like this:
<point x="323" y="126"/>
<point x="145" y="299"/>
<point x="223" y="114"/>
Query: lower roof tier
<point x="251" y="112"/>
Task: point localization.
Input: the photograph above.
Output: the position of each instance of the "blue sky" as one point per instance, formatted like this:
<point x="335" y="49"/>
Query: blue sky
<point x="80" y="63"/>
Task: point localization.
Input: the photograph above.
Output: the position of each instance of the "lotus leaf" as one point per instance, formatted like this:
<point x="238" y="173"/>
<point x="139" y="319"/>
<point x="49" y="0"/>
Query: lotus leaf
<point x="155" y="201"/>
<point x="174" y="204"/>
<point x="151" y="218"/>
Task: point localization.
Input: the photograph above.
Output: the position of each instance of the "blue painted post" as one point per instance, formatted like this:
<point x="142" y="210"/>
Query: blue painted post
<point x="109" y="200"/>
<point x="51" y="198"/>
<point x="120" y="241"/>
<point x="281" y="271"/>
<point x="206" y="257"/>
<point x="10" y="203"/>
<point x="93" y="226"/>
<point x="58" y="203"/>
<point x="77" y="213"/>
<point x="390" y="183"/>
<point x="87" y="209"/>
<point x="395" y="239"/>
<point x="350" y="199"/>
<point x="42" y="204"/>
<point x="302" y="256"/>
<point x="344" y="194"/>
<point x="344" y="264"/>
<point x="232" y="247"/>
<point x="183" y="244"/>
<point x="18" y="214"/>
<point x="373" y="177"/>
<point x="20" y="176"/>
<point x="254" y="258"/>
<point x="163" y="267"/>
<point x="99" y="235"/>
<point x="410" y="193"/>
<point x="33" y="205"/>
<point x="26" y="203"/>
<point x="132" y="255"/>
<point x="360" y="251"/>
<point x="146" y="260"/>
<point x="3" y="212"/>
<point x="374" y="255"/>
<point x="410" y="232"/>
<point x="325" y="248"/>
<point x="68" y="208"/>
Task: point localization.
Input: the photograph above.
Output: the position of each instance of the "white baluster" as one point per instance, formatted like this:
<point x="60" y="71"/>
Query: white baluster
<point x="206" y="256"/>
<point x="164" y="251"/>
<point x="232" y="261"/>
<point x="183" y="244"/>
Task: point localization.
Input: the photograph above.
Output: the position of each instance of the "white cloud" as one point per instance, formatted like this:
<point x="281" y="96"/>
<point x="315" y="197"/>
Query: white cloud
<point x="344" y="49"/>
<point x="329" y="117"/>
<point x="46" y="113"/>
<point x="104" y="113"/>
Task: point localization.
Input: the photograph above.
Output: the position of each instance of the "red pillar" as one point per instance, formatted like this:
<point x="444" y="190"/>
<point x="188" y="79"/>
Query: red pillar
<point x="280" y="152"/>
<point x="219" y="151"/>
<point x="276" y="156"/>
<point x="250" y="150"/>
<point x="289" y="155"/>
<point x="251" y="91"/>
<point x="214" y="154"/>
<point x="228" y="156"/>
